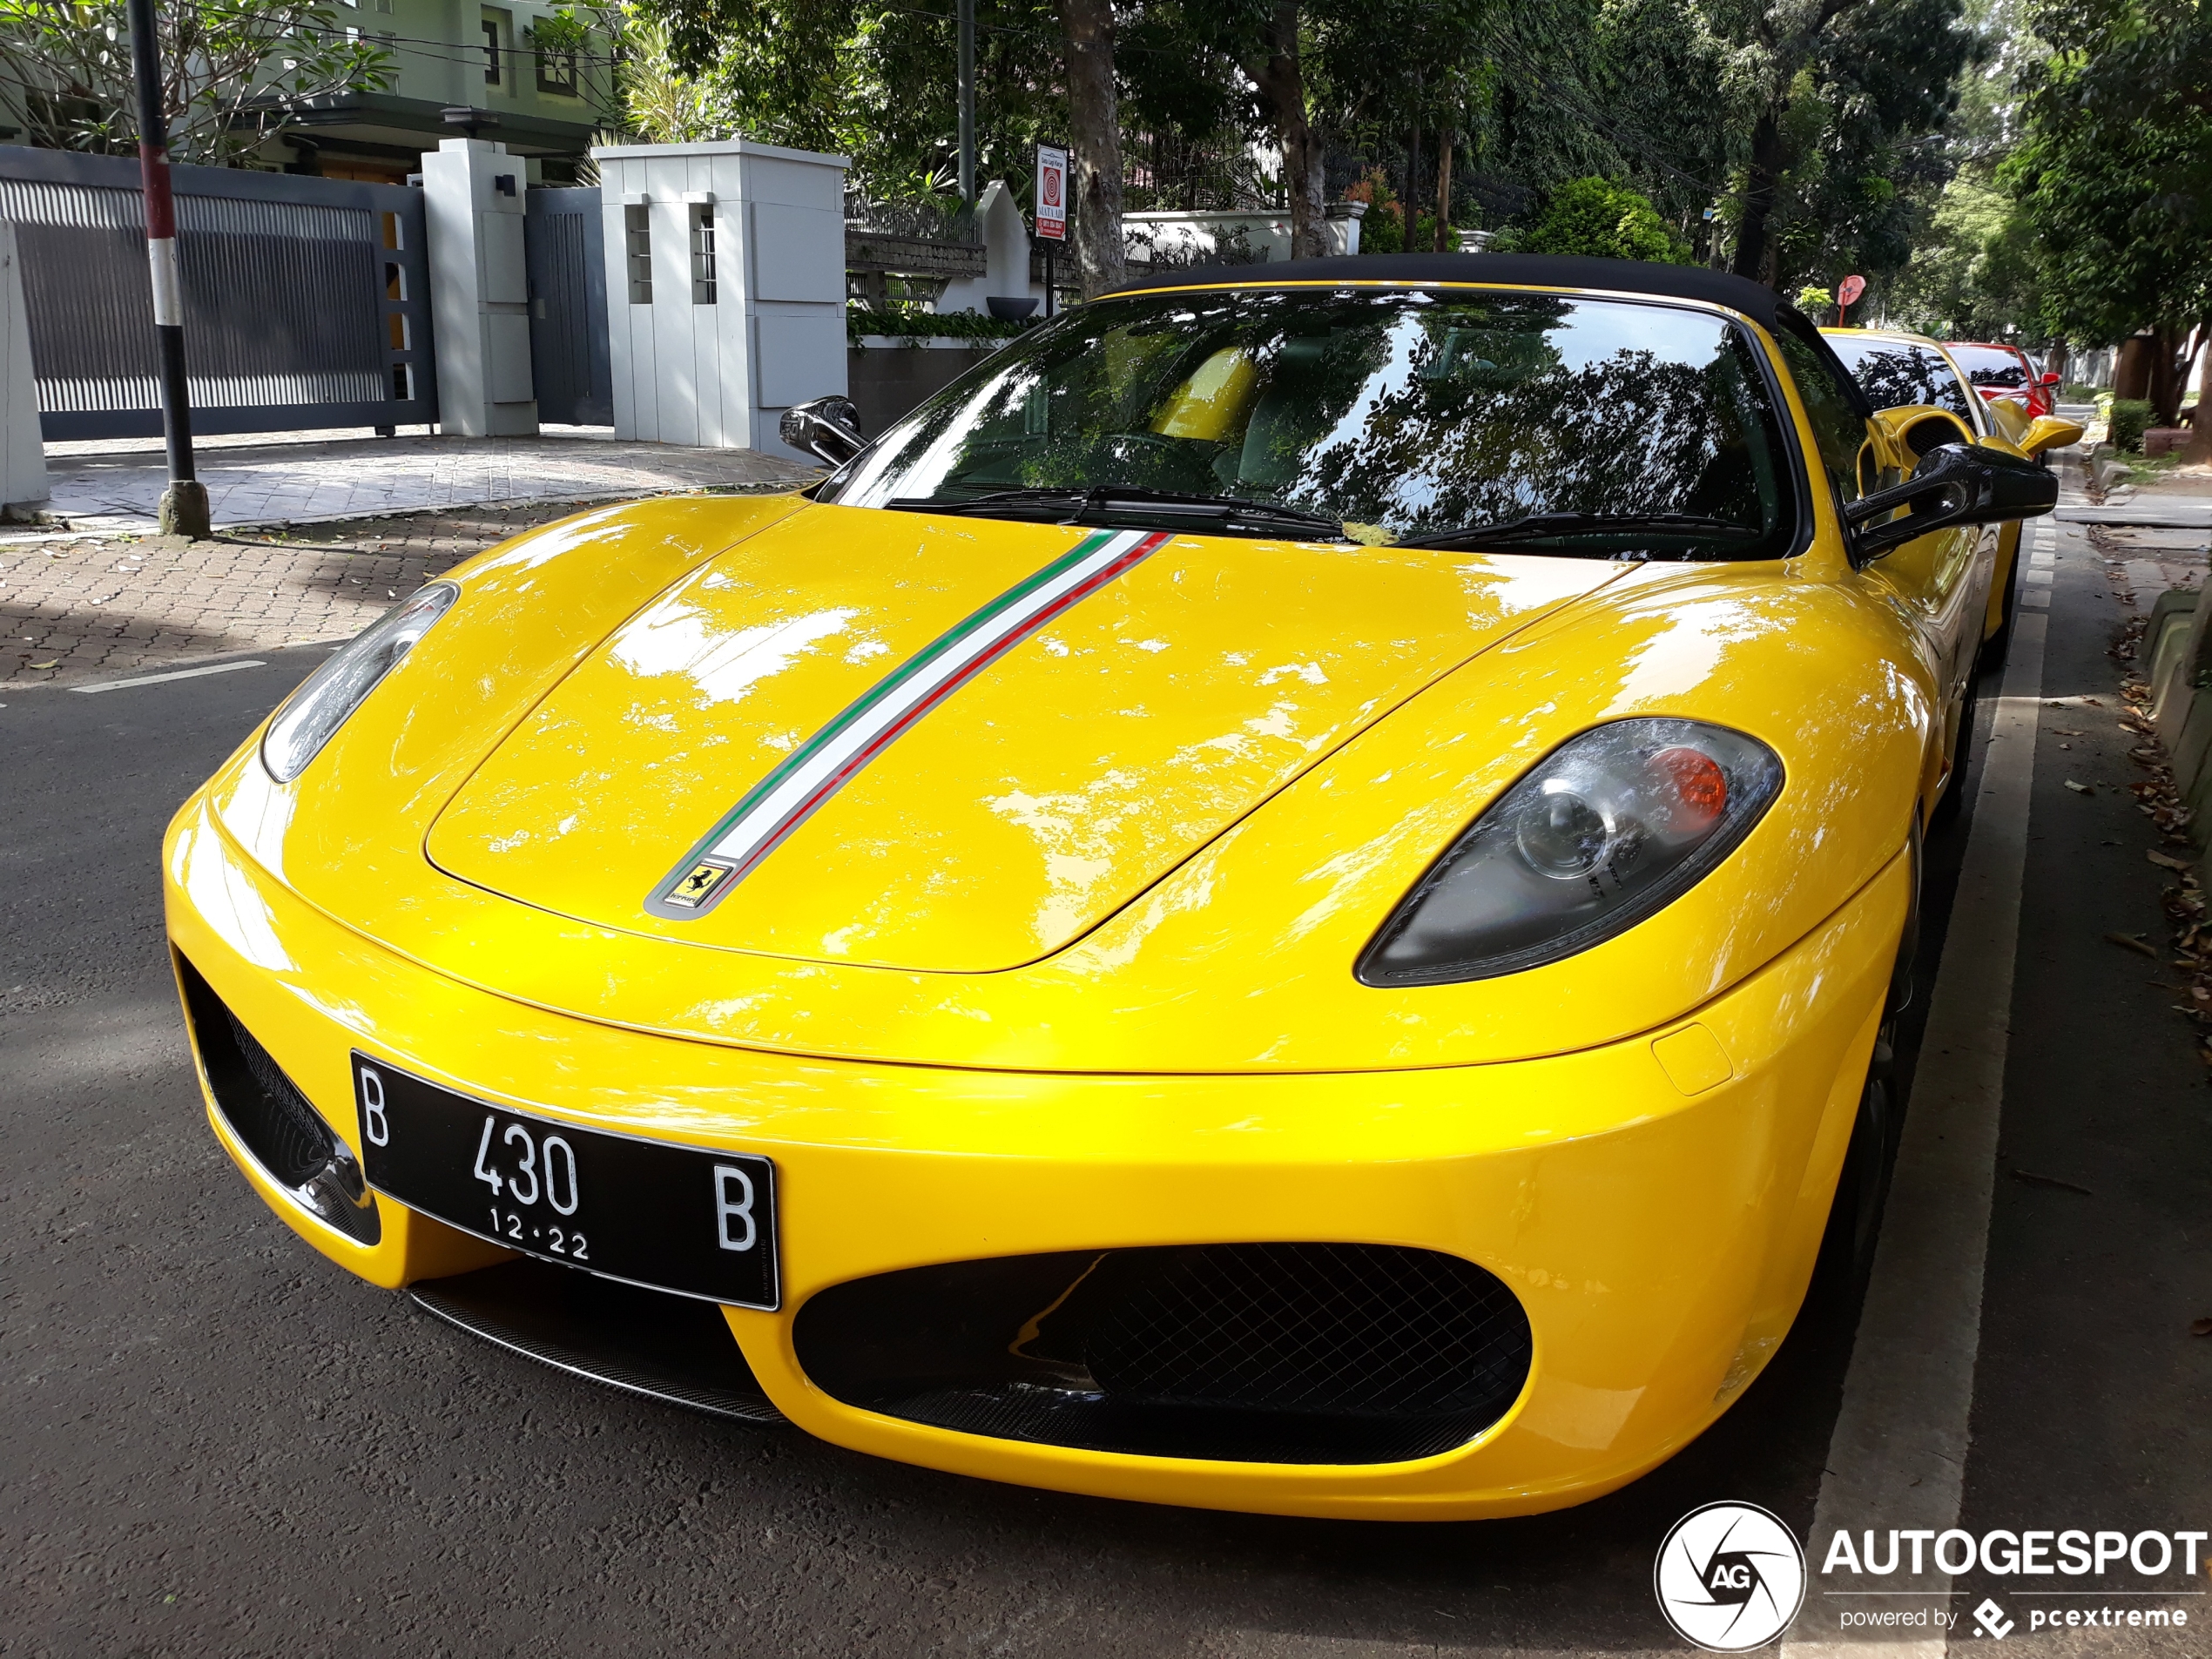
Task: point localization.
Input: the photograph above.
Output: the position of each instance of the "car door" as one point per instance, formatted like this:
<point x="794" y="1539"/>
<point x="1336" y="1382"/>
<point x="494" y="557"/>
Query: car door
<point x="1944" y="579"/>
<point x="1937" y="581"/>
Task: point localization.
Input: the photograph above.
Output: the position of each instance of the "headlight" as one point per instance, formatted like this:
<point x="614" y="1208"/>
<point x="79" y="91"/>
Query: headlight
<point x="335" y="689"/>
<point x="1609" y="827"/>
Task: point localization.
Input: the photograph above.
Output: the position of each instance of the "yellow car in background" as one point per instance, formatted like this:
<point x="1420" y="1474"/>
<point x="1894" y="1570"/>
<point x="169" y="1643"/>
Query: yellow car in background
<point x="1281" y="900"/>
<point x="1898" y="369"/>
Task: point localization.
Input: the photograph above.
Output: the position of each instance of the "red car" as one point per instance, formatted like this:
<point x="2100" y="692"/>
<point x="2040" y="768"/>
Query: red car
<point x="1998" y="372"/>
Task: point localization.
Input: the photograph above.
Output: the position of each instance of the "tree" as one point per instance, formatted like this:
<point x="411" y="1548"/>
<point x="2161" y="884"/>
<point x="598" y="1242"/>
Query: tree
<point x="233" y="71"/>
<point x="1601" y="219"/>
<point x="1277" y="68"/>
<point x="1094" y="145"/>
<point x="1975" y="269"/>
<point x="1835" y="86"/>
<point x="2115" y="176"/>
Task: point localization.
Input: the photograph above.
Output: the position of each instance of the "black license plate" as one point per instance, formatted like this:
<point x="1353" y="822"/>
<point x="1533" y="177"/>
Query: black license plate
<point x="671" y="1217"/>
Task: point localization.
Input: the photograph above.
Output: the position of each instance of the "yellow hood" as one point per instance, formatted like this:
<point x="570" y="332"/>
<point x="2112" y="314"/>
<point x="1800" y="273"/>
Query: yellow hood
<point x="1081" y="713"/>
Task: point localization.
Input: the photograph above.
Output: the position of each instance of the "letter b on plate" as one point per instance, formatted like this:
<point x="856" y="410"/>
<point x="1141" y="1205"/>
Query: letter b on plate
<point x="733" y="1228"/>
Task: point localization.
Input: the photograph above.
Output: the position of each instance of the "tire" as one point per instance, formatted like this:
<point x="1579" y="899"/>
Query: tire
<point x="1953" y="799"/>
<point x="1862" y="1190"/>
<point x="1846" y="1259"/>
<point x="1998" y="645"/>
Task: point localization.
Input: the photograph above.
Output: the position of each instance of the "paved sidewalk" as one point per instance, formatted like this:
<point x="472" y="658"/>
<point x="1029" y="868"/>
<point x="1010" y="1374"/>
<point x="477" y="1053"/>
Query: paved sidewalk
<point x="76" y="609"/>
<point x="119" y="488"/>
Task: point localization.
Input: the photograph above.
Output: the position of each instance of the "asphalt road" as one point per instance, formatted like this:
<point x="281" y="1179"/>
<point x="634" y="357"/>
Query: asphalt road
<point x="214" y="1442"/>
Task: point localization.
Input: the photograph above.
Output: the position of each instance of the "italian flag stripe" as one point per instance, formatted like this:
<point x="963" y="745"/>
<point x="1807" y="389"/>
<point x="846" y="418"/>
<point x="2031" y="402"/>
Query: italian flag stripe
<point x="814" y="771"/>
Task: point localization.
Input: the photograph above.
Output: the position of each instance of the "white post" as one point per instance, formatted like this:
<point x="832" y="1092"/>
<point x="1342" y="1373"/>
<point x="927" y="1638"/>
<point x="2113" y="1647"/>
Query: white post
<point x="480" y="291"/>
<point x="22" y="453"/>
<point x="725" y="288"/>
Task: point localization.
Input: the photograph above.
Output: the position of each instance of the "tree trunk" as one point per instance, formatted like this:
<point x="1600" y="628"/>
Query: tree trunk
<point x="1411" y="201"/>
<point x="2131" y="370"/>
<point x="2166" y="376"/>
<point x="1445" y="142"/>
<point x="2198" y="451"/>
<point x="1281" y="83"/>
<point x="1095" y="145"/>
<point x="1753" y="243"/>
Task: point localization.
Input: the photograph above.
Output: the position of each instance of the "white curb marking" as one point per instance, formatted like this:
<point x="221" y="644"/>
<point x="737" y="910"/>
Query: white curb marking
<point x="178" y="674"/>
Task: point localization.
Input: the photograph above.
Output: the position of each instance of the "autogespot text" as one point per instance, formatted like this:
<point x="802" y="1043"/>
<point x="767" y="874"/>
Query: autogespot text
<point x="2147" y="1574"/>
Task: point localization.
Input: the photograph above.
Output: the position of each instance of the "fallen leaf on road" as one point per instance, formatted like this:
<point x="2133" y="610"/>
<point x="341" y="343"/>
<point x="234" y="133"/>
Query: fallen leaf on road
<point x="2167" y="861"/>
<point x="2080" y="789"/>
<point x="2035" y="1180"/>
<point x="2200" y="1327"/>
<point x="2130" y="941"/>
<point x="57" y="663"/>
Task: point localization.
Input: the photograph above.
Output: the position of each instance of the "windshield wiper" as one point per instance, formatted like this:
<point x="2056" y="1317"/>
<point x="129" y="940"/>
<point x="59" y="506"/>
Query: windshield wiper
<point x="1071" y="506"/>
<point x="1537" y="526"/>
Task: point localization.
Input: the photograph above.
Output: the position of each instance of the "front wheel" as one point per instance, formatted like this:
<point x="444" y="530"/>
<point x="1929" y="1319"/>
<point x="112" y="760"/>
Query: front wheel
<point x="1998" y="645"/>
<point x="1855" y="1220"/>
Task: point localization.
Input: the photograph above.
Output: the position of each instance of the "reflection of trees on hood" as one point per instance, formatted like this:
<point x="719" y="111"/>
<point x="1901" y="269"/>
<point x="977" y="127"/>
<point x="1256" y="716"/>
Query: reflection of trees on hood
<point x="1630" y="434"/>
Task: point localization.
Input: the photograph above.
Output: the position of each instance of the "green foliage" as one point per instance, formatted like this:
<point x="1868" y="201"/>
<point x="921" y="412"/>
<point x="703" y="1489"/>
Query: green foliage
<point x="1605" y="220"/>
<point x="232" y="71"/>
<point x="2115" y="174"/>
<point x="916" y="324"/>
<point x="2130" y="419"/>
<point x="1812" y="300"/>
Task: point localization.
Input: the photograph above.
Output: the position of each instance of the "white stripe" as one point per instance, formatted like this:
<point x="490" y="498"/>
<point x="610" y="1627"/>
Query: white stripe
<point x="1898" y="1453"/>
<point x="168" y="282"/>
<point x="746" y="836"/>
<point x="179" y="674"/>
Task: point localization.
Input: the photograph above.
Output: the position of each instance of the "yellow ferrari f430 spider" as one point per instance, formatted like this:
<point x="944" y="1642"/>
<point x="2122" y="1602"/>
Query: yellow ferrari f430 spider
<point x="1285" y="897"/>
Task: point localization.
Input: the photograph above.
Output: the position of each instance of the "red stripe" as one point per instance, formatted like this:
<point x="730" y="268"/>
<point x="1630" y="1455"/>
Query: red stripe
<point x="1005" y="643"/>
<point x="161" y="205"/>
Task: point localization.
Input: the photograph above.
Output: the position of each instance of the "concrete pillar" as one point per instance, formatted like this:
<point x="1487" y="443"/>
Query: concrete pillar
<point x="22" y="455"/>
<point x="725" y="288"/>
<point x="480" y="291"/>
<point x="1006" y="256"/>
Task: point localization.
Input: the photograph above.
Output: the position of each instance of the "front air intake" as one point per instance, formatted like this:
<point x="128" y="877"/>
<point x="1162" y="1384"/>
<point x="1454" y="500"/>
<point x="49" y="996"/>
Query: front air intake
<point x="274" y="1121"/>
<point x="1267" y="1353"/>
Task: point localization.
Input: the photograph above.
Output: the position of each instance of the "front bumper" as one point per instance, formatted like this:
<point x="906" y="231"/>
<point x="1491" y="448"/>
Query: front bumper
<point x="1655" y="1205"/>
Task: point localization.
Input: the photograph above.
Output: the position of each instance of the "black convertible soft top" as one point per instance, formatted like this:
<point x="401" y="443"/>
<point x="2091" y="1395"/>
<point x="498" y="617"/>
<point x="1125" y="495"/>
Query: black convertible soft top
<point x="1755" y="300"/>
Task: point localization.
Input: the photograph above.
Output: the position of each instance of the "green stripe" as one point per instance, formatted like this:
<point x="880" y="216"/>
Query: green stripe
<point x="897" y="678"/>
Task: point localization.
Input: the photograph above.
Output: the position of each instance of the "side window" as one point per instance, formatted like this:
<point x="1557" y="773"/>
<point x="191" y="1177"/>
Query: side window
<point x="1837" y="429"/>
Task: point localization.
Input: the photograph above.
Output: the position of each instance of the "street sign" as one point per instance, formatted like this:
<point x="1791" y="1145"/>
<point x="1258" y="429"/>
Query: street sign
<point x="1052" y="193"/>
<point x="1848" y="290"/>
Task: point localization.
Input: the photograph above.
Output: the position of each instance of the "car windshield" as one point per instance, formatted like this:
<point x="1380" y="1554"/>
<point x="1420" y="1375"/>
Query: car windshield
<point x="1895" y="373"/>
<point x="1556" y="424"/>
<point x="1990" y="365"/>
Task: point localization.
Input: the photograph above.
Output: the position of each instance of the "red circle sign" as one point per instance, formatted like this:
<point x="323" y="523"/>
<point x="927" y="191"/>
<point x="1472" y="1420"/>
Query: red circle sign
<point x="1848" y="290"/>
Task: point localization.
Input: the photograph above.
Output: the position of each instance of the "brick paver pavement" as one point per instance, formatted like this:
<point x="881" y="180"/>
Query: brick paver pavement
<point x="79" y="608"/>
<point x="115" y="487"/>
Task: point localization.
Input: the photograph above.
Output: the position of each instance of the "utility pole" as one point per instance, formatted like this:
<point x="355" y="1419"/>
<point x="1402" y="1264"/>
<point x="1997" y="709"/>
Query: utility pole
<point x="184" y="504"/>
<point x="967" y="11"/>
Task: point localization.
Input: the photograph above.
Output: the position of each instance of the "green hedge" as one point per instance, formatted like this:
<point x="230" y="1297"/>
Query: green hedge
<point x="930" y="325"/>
<point x="2130" y="419"/>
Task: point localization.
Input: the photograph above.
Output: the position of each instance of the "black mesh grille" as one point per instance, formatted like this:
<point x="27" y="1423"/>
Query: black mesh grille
<point x="267" y="1111"/>
<point x="1279" y="1352"/>
<point x="1310" y="1328"/>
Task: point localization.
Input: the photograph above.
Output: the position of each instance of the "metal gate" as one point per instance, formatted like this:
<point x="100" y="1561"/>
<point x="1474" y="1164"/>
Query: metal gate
<point x="569" y="358"/>
<point x="307" y="300"/>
